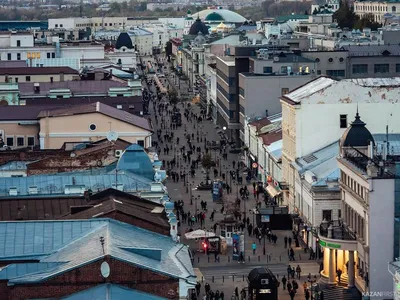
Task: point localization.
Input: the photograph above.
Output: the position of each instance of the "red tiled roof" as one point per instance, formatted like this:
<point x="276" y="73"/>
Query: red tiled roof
<point x="271" y="137"/>
<point x="37" y="71"/>
<point x="100" y="108"/>
<point x="260" y="123"/>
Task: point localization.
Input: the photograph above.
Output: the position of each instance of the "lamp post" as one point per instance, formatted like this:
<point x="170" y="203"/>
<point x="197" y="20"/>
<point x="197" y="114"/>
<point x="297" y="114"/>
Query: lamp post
<point x="190" y="194"/>
<point x="224" y="130"/>
<point x="264" y="245"/>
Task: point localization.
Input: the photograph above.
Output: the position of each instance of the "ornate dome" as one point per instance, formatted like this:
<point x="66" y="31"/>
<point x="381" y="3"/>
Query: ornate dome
<point x="124" y="40"/>
<point x="227" y="16"/>
<point x="214" y="17"/>
<point x="199" y="40"/>
<point x="357" y="135"/>
<point x="198" y="26"/>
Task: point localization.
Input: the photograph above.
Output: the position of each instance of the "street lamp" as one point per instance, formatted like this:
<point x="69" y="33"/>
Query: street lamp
<point x="190" y="193"/>
<point x="264" y="245"/>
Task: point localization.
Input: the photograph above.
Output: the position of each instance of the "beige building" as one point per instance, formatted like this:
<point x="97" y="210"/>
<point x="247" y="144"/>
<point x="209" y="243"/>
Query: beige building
<point x="91" y="122"/>
<point x="377" y="8"/>
<point x="38" y="74"/>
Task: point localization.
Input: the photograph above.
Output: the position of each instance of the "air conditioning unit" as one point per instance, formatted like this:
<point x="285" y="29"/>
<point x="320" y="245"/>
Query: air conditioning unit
<point x="264" y="281"/>
<point x="118" y="153"/>
<point x="33" y="190"/>
<point x="13" y="191"/>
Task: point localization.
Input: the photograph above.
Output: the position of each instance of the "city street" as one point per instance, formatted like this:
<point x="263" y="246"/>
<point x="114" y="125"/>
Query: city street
<point x="226" y="274"/>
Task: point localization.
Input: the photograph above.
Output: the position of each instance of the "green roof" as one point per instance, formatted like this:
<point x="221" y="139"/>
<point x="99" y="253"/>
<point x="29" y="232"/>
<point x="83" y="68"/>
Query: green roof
<point x="214" y="17"/>
<point x="282" y="19"/>
<point x="189" y="18"/>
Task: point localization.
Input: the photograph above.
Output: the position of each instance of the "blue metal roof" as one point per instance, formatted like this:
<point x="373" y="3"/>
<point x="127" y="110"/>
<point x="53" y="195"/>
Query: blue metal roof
<point x="55" y="184"/>
<point x="110" y="291"/>
<point x="70" y="244"/>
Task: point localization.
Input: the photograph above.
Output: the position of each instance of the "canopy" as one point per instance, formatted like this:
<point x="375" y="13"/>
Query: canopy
<point x="198" y="234"/>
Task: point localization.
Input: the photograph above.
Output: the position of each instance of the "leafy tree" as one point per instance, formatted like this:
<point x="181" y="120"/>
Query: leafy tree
<point x="172" y="96"/>
<point x="207" y="163"/>
<point x="345" y="16"/>
<point x="367" y="21"/>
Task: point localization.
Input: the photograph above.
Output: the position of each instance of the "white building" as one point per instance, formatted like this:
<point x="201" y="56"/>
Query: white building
<point x="21" y="46"/>
<point x="143" y="40"/>
<point x="366" y="237"/>
<point x="328" y="105"/>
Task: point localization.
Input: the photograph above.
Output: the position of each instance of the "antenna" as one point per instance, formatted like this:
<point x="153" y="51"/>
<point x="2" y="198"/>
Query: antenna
<point x="102" y="242"/>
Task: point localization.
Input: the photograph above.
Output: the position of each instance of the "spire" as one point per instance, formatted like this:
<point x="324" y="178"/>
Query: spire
<point x="357" y="115"/>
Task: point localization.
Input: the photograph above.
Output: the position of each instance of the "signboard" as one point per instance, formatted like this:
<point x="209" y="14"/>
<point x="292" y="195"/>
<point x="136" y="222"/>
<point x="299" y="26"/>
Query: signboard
<point x="265" y="219"/>
<point x="235" y="246"/>
<point x="254" y="165"/>
<point x="330" y="245"/>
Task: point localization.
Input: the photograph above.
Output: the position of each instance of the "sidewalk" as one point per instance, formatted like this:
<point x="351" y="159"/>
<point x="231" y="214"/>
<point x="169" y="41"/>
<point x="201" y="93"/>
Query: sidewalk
<point x="178" y="191"/>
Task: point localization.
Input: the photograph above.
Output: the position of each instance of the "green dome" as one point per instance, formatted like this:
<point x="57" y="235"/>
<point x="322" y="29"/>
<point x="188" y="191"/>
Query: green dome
<point x="189" y="12"/>
<point x="214" y="17"/>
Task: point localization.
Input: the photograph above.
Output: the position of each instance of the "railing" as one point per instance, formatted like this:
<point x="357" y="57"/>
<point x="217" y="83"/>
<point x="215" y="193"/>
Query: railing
<point x="338" y="229"/>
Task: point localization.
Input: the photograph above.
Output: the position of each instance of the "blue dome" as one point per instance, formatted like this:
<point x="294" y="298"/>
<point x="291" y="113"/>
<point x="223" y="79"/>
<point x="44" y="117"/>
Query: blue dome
<point x="135" y="160"/>
<point x="124" y="40"/>
<point x="198" y="26"/>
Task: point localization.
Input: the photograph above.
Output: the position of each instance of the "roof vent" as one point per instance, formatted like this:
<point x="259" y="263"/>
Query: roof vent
<point x="13" y="191"/>
<point x="74" y="189"/>
<point x="33" y="190"/>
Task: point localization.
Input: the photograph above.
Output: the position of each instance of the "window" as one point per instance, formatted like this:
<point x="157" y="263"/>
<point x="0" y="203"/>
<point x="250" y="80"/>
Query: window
<point x="381" y="68"/>
<point x="327" y="215"/>
<point x="285" y="91"/>
<point x="10" y="141"/>
<point x="18" y="56"/>
<point x="241" y="92"/>
<point x="18" y="43"/>
<point x="284" y="70"/>
<point x="8" y="56"/>
<point x="330" y="59"/>
<point x="335" y="73"/>
<point x="61" y="25"/>
<point x="360" y="69"/>
<point x="267" y="70"/>
<point x="56" y="25"/>
<point x="48" y="55"/>
<point x="393" y="8"/>
<point x="339" y="213"/>
<point x="318" y="72"/>
<point x="317" y="60"/>
<point x="51" y="79"/>
<point x="31" y="141"/>
<point x="20" y="141"/>
<point x="53" y="55"/>
<point x="397" y="68"/>
<point x="16" y="79"/>
<point x="92" y="127"/>
<point x="140" y="143"/>
<point x="28" y="78"/>
<point x="341" y="59"/>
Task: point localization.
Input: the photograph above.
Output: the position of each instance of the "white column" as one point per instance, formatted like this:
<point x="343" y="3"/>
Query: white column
<point x="332" y="269"/>
<point x="350" y="269"/>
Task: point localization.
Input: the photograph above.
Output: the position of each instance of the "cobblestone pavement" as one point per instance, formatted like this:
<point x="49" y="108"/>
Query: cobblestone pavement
<point x="227" y="274"/>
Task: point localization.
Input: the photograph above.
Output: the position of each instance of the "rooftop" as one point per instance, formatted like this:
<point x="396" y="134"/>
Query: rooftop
<point x="320" y="167"/>
<point x="326" y="90"/>
<point x="101" y="108"/>
<point x="283" y="19"/>
<point x="37" y="70"/>
<point x="76" y="87"/>
<point x="372" y="50"/>
<point x="61" y="246"/>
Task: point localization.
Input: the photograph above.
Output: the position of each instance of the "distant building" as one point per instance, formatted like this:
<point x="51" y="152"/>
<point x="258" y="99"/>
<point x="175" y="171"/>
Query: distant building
<point x="38" y="74"/>
<point x="376" y="8"/>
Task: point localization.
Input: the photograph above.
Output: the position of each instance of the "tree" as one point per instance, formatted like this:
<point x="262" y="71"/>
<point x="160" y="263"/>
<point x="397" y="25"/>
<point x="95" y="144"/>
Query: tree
<point x="367" y="21"/>
<point x="172" y="96"/>
<point x="345" y="16"/>
<point x="207" y="163"/>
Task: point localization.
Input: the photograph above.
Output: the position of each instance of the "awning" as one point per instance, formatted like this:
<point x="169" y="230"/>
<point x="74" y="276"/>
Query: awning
<point x="272" y="191"/>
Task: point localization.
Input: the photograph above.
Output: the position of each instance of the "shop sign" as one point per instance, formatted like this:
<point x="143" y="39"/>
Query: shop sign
<point x="265" y="218"/>
<point x="330" y="245"/>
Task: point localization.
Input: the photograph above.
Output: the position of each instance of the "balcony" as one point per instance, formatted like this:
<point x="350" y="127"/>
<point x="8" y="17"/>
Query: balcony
<point x="336" y="230"/>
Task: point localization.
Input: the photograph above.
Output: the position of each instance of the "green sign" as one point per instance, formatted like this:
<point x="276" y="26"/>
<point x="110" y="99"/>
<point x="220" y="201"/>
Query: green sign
<point x="330" y="245"/>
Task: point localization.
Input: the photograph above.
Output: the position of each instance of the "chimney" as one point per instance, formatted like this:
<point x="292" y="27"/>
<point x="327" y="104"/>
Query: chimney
<point x="266" y="112"/>
<point x="36" y="87"/>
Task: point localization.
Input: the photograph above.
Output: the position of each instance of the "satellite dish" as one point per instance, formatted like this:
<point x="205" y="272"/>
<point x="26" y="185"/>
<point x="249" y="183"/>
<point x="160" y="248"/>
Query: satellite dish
<point x="105" y="269"/>
<point x="112" y="136"/>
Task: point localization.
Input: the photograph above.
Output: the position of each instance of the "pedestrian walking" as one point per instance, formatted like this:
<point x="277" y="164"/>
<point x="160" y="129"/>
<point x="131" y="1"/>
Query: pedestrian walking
<point x="292" y="293"/>
<point x="284" y="280"/>
<point x="254" y="247"/>
<point x="307" y="294"/>
<point x="285" y="240"/>
<point x="298" y="271"/>
<point x="198" y="287"/>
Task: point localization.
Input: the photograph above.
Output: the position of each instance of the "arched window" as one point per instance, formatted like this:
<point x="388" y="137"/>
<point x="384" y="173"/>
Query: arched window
<point x="119" y="61"/>
<point x="393" y="8"/>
